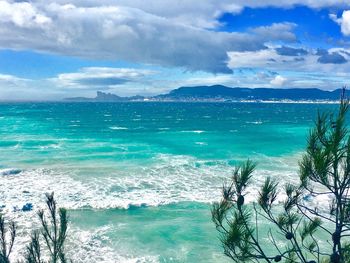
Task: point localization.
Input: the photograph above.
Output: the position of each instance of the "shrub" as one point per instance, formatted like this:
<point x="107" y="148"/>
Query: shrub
<point x="295" y="225"/>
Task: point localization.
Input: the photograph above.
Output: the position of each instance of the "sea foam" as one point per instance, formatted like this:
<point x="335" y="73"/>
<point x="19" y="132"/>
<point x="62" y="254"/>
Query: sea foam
<point x="171" y="179"/>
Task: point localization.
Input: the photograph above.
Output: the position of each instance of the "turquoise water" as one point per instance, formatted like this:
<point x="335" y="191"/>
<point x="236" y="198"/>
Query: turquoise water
<point x="138" y="178"/>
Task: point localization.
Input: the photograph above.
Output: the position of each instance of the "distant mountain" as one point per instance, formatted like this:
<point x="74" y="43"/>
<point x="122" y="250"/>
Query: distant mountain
<point x="107" y="97"/>
<point x="219" y="92"/>
<point x="223" y="93"/>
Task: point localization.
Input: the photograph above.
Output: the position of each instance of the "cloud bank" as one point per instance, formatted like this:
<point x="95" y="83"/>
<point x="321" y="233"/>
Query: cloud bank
<point x="118" y="33"/>
<point x="184" y="36"/>
<point x="155" y="32"/>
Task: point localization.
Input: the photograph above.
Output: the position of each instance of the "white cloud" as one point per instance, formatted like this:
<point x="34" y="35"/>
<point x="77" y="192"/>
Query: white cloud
<point x="203" y="14"/>
<point x="123" y="33"/>
<point x="304" y="70"/>
<point x="100" y="77"/>
<point x="278" y="81"/>
<point x="152" y="83"/>
<point x="343" y="21"/>
<point x="249" y="59"/>
<point x="271" y="60"/>
<point x="85" y="82"/>
<point x="13" y="87"/>
<point x="265" y="79"/>
<point x="10" y="79"/>
<point x="189" y="12"/>
<point x="281" y="31"/>
<point x="22" y="14"/>
<point x="165" y="33"/>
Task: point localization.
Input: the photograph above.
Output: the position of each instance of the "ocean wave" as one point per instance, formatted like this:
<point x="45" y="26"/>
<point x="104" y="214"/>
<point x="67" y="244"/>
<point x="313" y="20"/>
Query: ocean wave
<point x="82" y="246"/>
<point x="170" y="179"/>
<point x="201" y="143"/>
<point x="167" y="179"/>
<point x="51" y="146"/>
<point x="195" y="131"/>
<point x="95" y="246"/>
<point x="10" y="171"/>
<point x="254" y="122"/>
<point x="152" y="187"/>
<point x="118" y="128"/>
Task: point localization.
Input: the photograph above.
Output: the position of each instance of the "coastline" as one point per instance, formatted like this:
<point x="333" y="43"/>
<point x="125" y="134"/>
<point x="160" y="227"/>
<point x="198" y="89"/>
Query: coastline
<point x="178" y="101"/>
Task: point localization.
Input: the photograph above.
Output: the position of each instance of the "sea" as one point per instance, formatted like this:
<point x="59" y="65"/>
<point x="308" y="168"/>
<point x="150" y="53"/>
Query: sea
<point x="139" y="178"/>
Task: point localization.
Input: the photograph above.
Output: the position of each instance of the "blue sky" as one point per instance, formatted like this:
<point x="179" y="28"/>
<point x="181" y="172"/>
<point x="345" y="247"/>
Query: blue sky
<point x="65" y="48"/>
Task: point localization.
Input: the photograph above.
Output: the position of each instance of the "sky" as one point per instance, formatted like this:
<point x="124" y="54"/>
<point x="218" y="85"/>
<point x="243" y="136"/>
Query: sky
<point x="66" y="48"/>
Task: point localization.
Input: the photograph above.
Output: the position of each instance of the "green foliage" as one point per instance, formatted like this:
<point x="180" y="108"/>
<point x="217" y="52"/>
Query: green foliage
<point x="295" y="226"/>
<point x="268" y="194"/>
<point x="50" y="238"/>
<point x="53" y="231"/>
<point x="34" y="249"/>
<point x="6" y="240"/>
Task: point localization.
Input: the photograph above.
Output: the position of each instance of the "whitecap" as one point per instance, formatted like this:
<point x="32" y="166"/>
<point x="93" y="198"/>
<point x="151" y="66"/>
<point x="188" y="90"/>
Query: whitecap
<point x="118" y="128"/>
<point x="171" y="179"/>
<point x="254" y="122"/>
<point x="196" y="131"/>
<point x="51" y="146"/>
